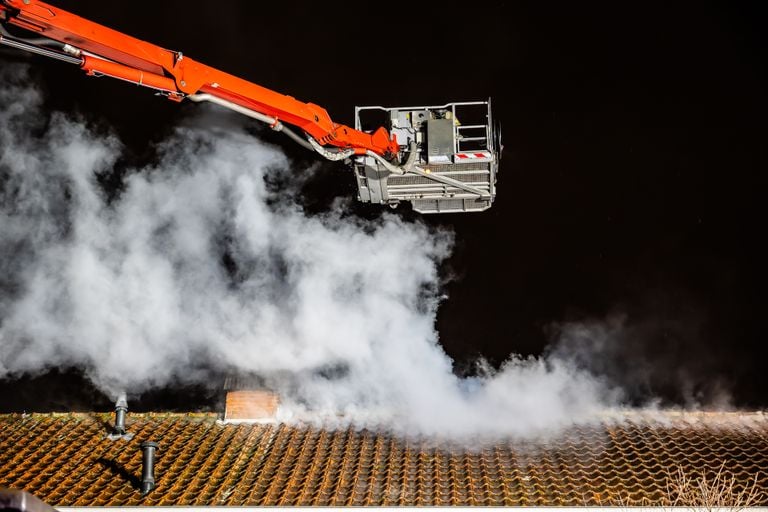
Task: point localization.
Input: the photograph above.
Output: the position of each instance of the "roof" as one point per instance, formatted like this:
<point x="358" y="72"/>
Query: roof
<point x="66" y="460"/>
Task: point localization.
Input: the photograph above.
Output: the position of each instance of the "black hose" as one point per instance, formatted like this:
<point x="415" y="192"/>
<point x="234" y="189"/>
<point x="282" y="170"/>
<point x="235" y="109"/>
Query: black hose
<point x="39" y="50"/>
<point x="36" y="41"/>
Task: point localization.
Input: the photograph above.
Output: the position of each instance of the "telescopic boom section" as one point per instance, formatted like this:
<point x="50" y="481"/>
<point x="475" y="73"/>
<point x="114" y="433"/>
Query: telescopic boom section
<point x="103" y="51"/>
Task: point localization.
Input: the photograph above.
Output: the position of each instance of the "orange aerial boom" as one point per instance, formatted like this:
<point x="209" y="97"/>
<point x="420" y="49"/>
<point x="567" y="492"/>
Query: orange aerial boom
<point x="423" y="155"/>
<point x="104" y="51"/>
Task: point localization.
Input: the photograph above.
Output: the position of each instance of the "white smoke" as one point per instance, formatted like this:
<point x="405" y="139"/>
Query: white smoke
<point x="198" y="265"/>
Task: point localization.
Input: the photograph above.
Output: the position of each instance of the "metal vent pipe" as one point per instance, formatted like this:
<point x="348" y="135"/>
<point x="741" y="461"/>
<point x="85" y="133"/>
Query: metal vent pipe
<point x="121" y="408"/>
<point x="148" y="466"/>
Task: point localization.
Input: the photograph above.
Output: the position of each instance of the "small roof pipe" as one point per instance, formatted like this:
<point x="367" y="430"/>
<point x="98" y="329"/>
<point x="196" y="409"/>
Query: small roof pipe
<point x="121" y="408"/>
<point x="148" y="466"/>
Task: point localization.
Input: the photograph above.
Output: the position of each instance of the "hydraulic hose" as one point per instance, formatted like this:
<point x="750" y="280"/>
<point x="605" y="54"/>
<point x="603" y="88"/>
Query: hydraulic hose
<point x="310" y="143"/>
<point x="296" y="137"/>
<point x="37" y="41"/>
<point x="33" y="46"/>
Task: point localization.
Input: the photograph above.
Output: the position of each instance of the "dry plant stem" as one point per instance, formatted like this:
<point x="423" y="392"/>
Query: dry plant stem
<point x="682" y="490"/>
<point x="719" y="492"/>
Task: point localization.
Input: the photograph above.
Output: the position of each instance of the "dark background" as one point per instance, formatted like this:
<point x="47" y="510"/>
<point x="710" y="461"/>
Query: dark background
<point x="631" y="184"/>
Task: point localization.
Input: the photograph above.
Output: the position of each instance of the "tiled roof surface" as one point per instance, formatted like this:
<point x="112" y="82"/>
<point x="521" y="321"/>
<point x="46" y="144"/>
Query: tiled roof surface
<point x="67" y="461"/>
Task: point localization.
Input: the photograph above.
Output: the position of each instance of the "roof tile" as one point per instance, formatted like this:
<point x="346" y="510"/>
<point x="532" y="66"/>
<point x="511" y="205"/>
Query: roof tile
<point x="67" y="460"/>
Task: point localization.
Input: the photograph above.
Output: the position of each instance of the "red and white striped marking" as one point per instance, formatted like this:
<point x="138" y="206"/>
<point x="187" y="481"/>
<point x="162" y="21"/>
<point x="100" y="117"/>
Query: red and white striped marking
<point x="472" y="155"/>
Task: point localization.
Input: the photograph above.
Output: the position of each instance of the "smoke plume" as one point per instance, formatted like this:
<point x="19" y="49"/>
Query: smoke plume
<point x="197" y="264"/>
<point x="652" y="359"/>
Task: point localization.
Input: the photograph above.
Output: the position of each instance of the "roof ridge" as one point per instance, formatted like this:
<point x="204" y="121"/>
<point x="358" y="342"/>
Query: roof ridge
<point x="91" y="414"/>
<point x="605" y="414"/>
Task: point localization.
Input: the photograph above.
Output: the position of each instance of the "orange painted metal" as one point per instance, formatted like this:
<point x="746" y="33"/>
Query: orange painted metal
<point x="152" y="66"/>
<point x="96" y="66"/>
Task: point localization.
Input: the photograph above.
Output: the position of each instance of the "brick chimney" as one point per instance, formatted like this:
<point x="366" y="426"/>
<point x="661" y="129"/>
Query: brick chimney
<point x="248" y="400"/>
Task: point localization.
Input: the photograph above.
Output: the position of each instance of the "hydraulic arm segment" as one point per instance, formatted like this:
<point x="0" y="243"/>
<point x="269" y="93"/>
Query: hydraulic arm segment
<point x="423" y="154"/>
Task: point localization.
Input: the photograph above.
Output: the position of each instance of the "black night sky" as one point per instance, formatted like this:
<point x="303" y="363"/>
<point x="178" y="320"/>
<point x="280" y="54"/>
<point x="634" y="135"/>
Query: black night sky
<point x="631" y="184"/>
